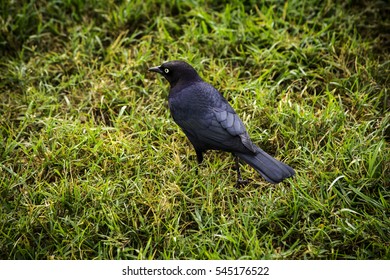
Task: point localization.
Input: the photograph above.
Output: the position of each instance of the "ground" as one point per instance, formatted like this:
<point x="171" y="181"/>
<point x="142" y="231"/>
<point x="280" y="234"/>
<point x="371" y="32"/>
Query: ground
<point x="92" y="165"/>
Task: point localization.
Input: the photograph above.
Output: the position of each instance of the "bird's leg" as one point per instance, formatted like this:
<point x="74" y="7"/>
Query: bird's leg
<point x="199" y="157"/>
<point x="239" y="177"/>
<point x="240" y="181"/>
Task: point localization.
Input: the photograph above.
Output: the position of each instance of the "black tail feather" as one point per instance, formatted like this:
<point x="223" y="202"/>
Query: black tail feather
<point x="270" y="168"/>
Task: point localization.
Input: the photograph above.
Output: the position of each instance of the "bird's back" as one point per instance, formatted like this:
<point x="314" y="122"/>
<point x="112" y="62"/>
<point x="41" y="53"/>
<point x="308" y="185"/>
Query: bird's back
<point x="208" y="119"/>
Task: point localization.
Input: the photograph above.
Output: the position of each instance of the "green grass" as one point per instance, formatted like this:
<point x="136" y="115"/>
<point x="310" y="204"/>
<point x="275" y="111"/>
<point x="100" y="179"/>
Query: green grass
<point x="92" y="166"/>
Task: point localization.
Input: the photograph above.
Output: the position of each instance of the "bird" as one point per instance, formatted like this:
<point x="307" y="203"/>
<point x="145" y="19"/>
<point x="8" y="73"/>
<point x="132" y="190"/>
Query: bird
<point x="210" y="122"/>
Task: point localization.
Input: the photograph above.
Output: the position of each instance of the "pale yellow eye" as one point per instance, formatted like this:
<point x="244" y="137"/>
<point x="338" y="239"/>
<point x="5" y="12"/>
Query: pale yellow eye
<point x="166" y="70"/>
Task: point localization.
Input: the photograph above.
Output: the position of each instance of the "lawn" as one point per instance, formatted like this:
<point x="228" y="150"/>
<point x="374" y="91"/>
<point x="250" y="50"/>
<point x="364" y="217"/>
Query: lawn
<point x="92" y="166"/>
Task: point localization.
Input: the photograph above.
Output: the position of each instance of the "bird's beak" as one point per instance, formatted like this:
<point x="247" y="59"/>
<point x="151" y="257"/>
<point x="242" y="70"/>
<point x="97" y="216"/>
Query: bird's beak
<point x="156" y="69"/>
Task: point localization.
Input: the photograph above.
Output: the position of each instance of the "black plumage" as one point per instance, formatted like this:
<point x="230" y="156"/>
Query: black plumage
<point x="210" y="123"/>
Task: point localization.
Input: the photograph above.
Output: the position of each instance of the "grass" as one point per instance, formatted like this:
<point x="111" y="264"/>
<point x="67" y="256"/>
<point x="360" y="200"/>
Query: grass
<point x="92" y="165"/>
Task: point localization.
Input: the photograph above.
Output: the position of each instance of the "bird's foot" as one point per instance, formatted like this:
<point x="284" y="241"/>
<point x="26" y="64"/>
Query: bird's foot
<point x="241" y="182"/>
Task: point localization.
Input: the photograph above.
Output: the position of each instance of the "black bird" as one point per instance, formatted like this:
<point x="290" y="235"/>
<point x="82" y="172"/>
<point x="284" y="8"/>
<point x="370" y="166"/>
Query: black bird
<point x="210" y="123"/>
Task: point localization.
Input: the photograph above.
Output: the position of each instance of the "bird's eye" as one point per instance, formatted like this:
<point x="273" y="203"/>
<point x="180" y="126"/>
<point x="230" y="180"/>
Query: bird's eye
<point x="166" y="70"/>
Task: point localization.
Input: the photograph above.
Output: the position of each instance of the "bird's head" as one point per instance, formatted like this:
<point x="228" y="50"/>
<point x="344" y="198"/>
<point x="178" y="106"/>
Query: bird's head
<point x="177" y="71"/>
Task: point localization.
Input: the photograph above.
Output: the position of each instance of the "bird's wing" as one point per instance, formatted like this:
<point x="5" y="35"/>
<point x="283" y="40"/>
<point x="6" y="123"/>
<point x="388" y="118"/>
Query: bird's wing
<point x="208" y="119"/>
<point x="217" y="129"/>
<point x="231" y="122"/>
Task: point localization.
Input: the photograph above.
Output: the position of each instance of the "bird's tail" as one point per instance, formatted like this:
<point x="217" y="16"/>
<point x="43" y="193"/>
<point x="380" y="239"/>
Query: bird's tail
<point x="270" y="168"/>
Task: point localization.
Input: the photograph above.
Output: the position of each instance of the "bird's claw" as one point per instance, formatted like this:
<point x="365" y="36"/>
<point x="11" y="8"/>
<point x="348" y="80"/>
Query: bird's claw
<point x="241" y="182"/>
